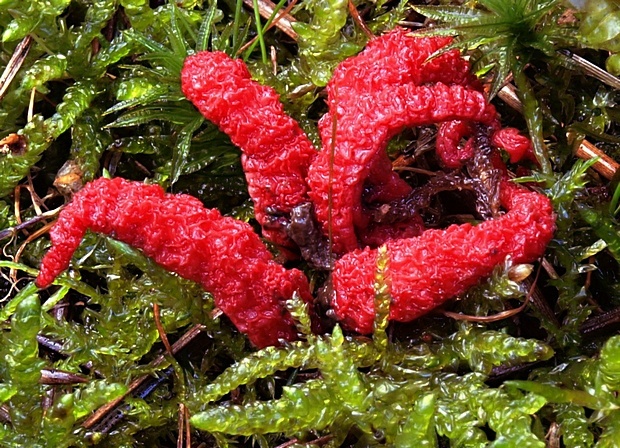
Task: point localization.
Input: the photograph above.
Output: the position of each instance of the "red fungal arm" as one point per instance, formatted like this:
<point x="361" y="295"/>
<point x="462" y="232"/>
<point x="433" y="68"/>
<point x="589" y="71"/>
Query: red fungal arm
<point x="365" y="124"/>
<point x="276" y="152"/>
<point x="448" y="143"/>
<point x="390" y="60"/>
<point x="394" y="59"/>
<point x="397" y="58"/>
<point x="372" y="97"/>
<point x="222" y="254"/>
<point x="428" y="270"/>
<point x="516" y="144"/>
<point x="453" y="155"/>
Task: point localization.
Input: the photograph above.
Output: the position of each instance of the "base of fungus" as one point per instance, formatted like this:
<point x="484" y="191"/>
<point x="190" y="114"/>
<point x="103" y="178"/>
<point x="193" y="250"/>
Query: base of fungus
<point x="222" y="254"/>
<point x="439" y="264"/>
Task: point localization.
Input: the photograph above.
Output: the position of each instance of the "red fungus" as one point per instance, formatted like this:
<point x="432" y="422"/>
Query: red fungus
<point x="223" y="254"/>
<point x="364" y="125"/>
<point x="389" y="86"/>
<point x="276" y="152"/>
<point x="428" y="270"/>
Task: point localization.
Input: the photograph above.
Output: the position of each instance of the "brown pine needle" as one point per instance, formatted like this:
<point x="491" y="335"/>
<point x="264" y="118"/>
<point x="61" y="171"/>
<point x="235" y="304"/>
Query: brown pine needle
<point x="55" y="376"/>
<point x="605" y="165"/>
<point x="103" y="411"/>
<point x="593" y="70"/>
<point x="359" y="21"/>
<point x="160" y="329"/>
<point x="180" y="426"/>
<point x="15" y="63"/>
<point x="601" y="323"/>
<point x="508" y="94"/>
<point x="11" y="231"/>
<point x="283" y="21"/>
<point x="33" y="236"/>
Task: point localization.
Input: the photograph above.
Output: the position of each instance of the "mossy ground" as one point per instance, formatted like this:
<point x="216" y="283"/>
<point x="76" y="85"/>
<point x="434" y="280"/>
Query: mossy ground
<point x="93" y="89"/>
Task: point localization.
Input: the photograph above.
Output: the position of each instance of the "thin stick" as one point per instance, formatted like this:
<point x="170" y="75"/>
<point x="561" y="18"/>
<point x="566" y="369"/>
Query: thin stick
<point x="15" y="63"/>
<point x="13" y="230"/>
<point x="271" y="23"/>
<point x="5" y="415"/>
<point x="601" y="322"/>
<point x="100" y="413"/>
<point x="160" y="329"/>
<point x="33" y="93"/>
<point x="188" y="429"/>
<point x="181" y="426"/>
<point x="539" y="302"/>
<point x="605" y="166"/>
<point x="282" y="22"/>
<point x="508" y="94"/>
<point x="55" y="376"/>
<point x="358" y="19"/>
<point x="17" y="204"/>
<point x="593" y="70"/>
<point x="42" y="231"/>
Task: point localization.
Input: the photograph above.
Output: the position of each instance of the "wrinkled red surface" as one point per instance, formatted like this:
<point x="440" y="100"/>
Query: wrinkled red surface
<point x="372" y="97"/>
<point x="224" y="255"/>
<point x="452" y="154"/>
<point x="397" y="58"/>
<point x="276" y="152"/>
<point x="428" y="270"/>
<point x="448" y="144"/>
<point x="389" y="86"/>
<point x="338" y="173"/>
<point x="516" y="144"/>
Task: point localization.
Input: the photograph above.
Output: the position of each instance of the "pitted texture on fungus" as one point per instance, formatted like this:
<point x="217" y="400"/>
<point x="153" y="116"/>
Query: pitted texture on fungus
<point x="448" y="143"/>
<point x="390" y="60"/>
<point x="428" y="270"/>
<point x="276" y="152"/>
<point x="358" y="141"/>
<point x="389" y="86"/>
<point x="516" y="144"/>
<point x="398" y="58"/>
<point x="222" y="254"/>
<point x="453" y="154"/>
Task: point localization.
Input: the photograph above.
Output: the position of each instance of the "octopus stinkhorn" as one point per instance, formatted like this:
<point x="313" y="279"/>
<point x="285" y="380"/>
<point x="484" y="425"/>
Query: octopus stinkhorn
<point x="389" y="86"/>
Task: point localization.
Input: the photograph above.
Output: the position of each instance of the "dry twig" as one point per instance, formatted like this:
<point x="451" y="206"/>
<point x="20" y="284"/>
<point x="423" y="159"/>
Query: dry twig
<point x="15" y="63"/>
<point x="104" y="410"/>
<point x="283" y="21"/>
<point x="605" y="165"/>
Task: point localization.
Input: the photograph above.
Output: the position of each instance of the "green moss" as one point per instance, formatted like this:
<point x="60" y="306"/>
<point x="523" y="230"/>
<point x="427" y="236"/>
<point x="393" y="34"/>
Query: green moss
<point x="100" y="87"/>
<point x="321" y="44"/>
